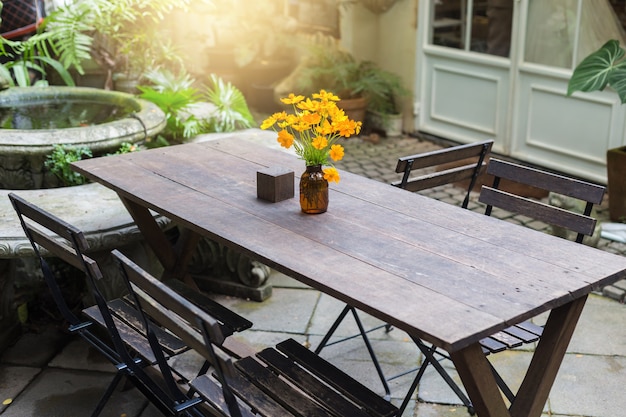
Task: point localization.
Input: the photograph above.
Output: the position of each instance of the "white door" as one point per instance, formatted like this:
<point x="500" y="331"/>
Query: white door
<point x="499" y="69"/>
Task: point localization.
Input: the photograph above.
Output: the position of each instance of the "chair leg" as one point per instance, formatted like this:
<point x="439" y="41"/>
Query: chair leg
<point x="418" y="377"/>
<point x="107" y="394"/>
<point x="366" y="340"/>
<point x="332" y="330"/>
<point x="502" y="385"/>
<point x="428" y="353"/>
<point x="363" y="334"/>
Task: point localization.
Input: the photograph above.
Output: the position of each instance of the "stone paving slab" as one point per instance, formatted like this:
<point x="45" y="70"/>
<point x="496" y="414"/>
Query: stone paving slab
<point x="13" y="380"/>
<point x="63" y="393"/>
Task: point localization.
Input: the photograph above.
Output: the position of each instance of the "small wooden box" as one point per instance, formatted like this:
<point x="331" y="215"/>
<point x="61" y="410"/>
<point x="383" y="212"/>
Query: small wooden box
<point x="275" y="184"/>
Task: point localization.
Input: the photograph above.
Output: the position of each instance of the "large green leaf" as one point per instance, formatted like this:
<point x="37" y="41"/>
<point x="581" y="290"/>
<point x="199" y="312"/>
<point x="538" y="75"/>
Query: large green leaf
<point x="59" y="68"/>
<point x="603" y="67"/>
<point x="232" y="111"/>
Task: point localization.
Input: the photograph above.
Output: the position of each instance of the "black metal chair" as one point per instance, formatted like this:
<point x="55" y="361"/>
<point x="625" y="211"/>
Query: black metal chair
<point x="583" y="224"/>
<point x="447" y="165"/>
<point x="45" y="232"/>
<point x="122" y="343"/>
<point x="420" y="172"/>
<point x="286" y="380"/>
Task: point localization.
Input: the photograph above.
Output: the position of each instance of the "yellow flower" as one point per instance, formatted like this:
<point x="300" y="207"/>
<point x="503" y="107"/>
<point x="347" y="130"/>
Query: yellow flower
<point x="269" y="122"/>
<point x="349" y="128"/>
<point x="292" y="99"/>
<point x="310" y="105"/>
<point x="331" y="174"/>
<point x="336" y="152"/>
<point x="320" y="142"/>
<point x="313" y="128"/>
<point x="285" y="139"/>
<point x="311" y="118"/>
<point x="326" y="96"/>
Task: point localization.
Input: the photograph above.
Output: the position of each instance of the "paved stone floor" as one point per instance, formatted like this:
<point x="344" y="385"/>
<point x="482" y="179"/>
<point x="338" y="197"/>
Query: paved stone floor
<point x="48" y="374"/>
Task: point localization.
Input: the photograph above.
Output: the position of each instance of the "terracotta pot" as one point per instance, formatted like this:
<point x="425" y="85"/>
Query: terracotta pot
<point x="355" y="108"/>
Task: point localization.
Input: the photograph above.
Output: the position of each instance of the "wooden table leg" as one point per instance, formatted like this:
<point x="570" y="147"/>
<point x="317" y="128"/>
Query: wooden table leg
<point x="479" y="382"/>
<point x="152" y="233"/>
<point x="481" y="386"/>
<point x="184" y="249"/>
<point x="173" y="259"/>
<point x="533" y="393"/>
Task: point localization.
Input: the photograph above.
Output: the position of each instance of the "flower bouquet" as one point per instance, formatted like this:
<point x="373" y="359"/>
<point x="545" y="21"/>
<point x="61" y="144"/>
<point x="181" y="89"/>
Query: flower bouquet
<point x="313" y="130"/>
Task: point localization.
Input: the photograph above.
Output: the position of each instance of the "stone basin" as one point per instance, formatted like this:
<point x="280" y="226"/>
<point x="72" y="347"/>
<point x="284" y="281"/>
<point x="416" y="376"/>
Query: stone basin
<point x="23" y="151"/>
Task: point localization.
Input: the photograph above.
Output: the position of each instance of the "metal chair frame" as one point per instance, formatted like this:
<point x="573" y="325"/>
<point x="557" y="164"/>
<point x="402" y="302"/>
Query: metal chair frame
<point x="68" y="243"/>
<point x="448" y="170"/>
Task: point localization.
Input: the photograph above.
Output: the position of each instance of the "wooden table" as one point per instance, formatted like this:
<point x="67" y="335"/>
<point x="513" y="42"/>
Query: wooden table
<point x="445" y="275"/>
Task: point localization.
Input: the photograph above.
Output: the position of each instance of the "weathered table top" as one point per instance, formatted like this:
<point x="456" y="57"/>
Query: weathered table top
<point x="447" y="275"/>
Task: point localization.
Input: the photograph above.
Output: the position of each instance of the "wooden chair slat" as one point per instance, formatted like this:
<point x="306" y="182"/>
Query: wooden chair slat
<point x="444" y="155"/>
<point x="531" y="328"/>
<point x="136" y="341"/>
<point x="210" y="388"/>
<point x="263" y="387"/>
<point x="129" y="315"/>
<point x="509" y="340"/>
<point x="439" y="178"/>
<point x="256" y="398"/>
<point x="287" y="368"/>
<point x="290" y="398"/>
<point x="556" y="183"/>
<point x="443" y="174"/>
<point x="231" y="320"/>
<point x="336" y="378"/>
<point x="521" y="334"/>
<point x="493" y="346"/>
<point x="546" y="213"/>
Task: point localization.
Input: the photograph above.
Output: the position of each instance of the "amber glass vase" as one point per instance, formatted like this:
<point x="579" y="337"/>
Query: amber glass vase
<point x="313" y="190"/>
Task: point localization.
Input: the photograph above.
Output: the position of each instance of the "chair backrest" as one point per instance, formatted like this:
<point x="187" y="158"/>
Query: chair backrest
<point x="194" y="326"/>
<point x="68" y="243"/>
<point x="580" y="223"/>
<point x="51" y="236"/>
<point x="45" y="231"/>
<point x="475" y="153"/>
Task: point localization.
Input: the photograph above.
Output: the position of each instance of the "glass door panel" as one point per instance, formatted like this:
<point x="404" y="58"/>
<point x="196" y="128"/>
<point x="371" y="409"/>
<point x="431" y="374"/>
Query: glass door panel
<point x="486" y="23"/>
<point x="560" y="33"/>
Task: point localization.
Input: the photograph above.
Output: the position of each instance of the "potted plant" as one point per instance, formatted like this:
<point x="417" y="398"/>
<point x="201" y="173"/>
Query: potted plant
<point x="607" y="67"/>
<point x="361" y="85"/>
<point x="384" y="110"/>
<point x="27" y="61"/>
<point x="125" y="38"/>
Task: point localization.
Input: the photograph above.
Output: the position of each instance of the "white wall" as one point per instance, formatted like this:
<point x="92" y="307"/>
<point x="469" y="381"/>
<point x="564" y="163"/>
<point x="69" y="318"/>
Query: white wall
<point x="389" y="39"/>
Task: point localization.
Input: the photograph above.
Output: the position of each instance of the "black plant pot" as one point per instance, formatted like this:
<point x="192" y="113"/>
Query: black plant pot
<point x="616" y="177"/>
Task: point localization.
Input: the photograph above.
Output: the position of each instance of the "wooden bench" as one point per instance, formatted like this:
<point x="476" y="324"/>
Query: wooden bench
<point x="286" y="380"/>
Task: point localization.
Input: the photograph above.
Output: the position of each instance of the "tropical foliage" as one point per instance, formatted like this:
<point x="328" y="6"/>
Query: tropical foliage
<point x="179" y="100"/>
<point x="121" y="35"/>
<point x="604" y="67"/>
<point x="58" y="162"/>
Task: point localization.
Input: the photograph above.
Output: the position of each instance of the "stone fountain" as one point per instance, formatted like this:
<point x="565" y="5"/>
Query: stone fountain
<point x="34" y="120"/>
